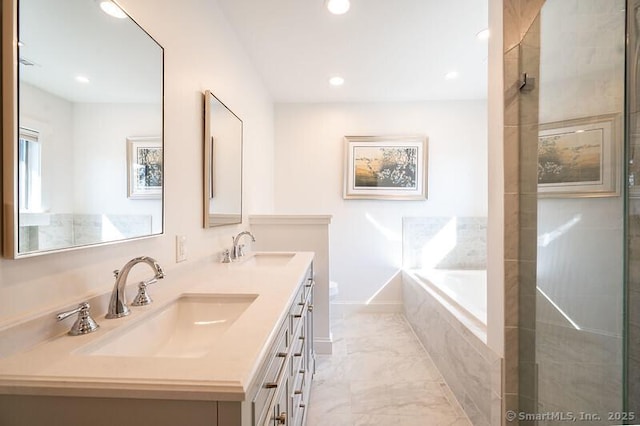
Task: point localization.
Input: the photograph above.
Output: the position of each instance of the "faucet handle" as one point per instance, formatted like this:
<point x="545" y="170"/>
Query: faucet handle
<point x="142" y="298"/>
<point x="116" y="272"/>
<point x="226" y="256"/>
<point x="84" y="323"/>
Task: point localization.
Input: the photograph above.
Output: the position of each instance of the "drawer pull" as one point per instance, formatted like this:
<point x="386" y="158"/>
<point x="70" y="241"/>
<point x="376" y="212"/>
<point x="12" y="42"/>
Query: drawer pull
<point x="282" y="418"/>
<point x="304" y="308"/>
<point x="280" y="376"/>
<point x="310" y="308"/>
<point x="298" y="354"/>
<point x="298" y="392"/>
<point x="281" y="355"/>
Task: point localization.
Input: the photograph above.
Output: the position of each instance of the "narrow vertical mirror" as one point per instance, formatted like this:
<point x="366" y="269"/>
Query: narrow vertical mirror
<point x="222" y="164"/>
<point x="83" y="127"/>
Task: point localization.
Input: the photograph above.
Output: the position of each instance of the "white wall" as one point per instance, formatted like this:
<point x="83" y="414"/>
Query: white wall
<point x="201" y="52"/>
<point x="100" y="149"/>
<point x="366" y="235"/>
<point x="495" y="216"/>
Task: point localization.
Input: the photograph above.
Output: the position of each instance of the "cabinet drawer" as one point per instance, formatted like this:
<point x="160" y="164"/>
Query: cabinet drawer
<point x="298" y="398"/>
<point x="273" y="372"/>
<point x="300" y="307"/>
<point x="308" y="286"/>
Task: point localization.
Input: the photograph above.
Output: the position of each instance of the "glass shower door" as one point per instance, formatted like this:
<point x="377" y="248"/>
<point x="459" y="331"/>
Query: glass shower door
<point x="632" y="347"/>
<point x="580" y="290"/>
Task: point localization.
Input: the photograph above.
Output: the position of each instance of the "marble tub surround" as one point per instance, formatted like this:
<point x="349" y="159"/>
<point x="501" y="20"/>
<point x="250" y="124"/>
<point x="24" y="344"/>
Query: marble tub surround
<point x="379" y="374"/>
<point x="59" y="366"/>
<point x="64" y="230"/>
<point x="470" y="368"/>
<point x="444" y="242"/>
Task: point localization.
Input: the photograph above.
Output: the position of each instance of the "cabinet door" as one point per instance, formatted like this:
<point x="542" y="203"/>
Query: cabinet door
<point x="310" y="355"/>
<point x="281" y="412"/>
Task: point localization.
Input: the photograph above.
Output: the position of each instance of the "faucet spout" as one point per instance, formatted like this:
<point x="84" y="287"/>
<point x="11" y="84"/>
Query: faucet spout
<point x="118" y="305"/>
<point x="237" y="248"/>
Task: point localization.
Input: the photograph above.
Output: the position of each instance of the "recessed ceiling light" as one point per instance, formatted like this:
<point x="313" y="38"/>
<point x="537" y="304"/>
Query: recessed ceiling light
<point x="336" y="81"/>
<point x="338" y="7"/>
<point x="451" y="75"/>
<point x="112" y="9"/>
<point x="483" y="35"/>
<point x="82" y="79"/>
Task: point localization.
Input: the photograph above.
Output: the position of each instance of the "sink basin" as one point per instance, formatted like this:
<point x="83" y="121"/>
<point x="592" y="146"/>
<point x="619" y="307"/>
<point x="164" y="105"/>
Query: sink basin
<point x="187" y="328"/>
<point x="267" y="259"/>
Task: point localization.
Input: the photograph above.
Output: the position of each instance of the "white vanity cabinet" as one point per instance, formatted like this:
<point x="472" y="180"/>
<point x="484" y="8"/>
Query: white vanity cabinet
<point x="65" y="379"/>
<point x="282" y="391"/>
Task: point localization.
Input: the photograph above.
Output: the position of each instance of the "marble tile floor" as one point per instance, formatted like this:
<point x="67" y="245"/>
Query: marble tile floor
<point x="379" y="374"/>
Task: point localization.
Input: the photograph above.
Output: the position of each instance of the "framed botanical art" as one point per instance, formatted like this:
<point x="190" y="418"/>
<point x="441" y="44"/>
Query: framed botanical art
<point x="579" y="158"/>
<point x="144" y="168"/>
<point x="385" y="167"/>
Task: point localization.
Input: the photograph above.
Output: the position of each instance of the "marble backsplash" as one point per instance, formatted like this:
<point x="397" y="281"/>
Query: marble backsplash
<point x="65" y="230"/>
<point x="444" y="242"/>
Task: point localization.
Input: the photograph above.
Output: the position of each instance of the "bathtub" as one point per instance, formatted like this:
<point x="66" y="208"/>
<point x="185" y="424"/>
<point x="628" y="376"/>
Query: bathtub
<point x="447" y="310"/>
<point x="463" y="292"/>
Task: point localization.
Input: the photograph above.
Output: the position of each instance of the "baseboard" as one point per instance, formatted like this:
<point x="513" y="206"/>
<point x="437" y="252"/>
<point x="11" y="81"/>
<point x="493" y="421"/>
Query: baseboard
<point x="339" y="309"/>
<point x="323" y="346"/>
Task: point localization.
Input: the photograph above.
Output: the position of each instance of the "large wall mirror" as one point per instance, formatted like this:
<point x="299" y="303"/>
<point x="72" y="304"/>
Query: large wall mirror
<point x="82" y="126"/>
<point x="222" y="164"/>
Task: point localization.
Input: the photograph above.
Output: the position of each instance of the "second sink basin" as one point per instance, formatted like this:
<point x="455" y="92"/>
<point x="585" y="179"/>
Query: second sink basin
<point x="262" y="259"/>
<point x="186" y="328"/>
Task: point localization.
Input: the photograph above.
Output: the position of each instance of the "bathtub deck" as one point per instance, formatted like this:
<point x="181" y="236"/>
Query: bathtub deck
<point x="379" y="374"/>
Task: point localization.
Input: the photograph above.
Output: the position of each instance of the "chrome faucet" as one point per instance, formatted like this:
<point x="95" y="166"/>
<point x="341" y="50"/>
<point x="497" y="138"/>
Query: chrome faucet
<point x="118" y="305"/>
<point x="237" y="248"/>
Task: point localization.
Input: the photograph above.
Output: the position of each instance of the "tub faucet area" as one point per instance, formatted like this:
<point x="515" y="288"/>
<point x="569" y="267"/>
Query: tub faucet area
<point x="118" y="305"/>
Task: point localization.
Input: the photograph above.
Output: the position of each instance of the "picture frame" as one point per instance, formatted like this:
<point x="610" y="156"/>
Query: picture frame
<point x="579" y="157"/>
<point x="144" y="167"/>
<point x="385" y="167"/>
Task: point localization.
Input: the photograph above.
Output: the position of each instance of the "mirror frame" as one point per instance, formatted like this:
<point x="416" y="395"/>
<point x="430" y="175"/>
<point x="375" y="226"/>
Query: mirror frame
<point x="209" y="166"/>
<point x="10" y="128"/>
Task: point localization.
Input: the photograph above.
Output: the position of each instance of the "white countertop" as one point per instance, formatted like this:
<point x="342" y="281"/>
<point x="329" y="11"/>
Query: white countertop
<point x="58" y="366"/>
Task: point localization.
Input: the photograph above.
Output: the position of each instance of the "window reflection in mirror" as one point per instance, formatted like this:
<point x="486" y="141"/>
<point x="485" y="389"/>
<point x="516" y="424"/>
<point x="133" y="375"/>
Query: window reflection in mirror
<point x="30" y="183"/>
<point x="223" y="164"/>
<point x="87" y="83"/>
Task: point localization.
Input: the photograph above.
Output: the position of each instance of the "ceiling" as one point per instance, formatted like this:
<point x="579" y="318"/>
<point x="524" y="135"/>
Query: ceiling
<point x="385" y="50"/>
<point x="66" y="38"/>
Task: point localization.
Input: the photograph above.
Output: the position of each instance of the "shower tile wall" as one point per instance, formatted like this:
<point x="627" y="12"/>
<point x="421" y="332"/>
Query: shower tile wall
<point x="521" y="32"/>
<point x="464" y="237"/>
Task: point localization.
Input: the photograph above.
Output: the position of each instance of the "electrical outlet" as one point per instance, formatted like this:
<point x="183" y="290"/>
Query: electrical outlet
<point x="181" y="248"/>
